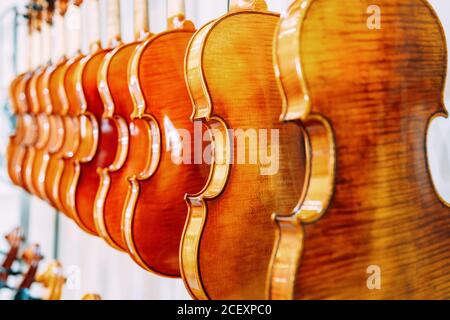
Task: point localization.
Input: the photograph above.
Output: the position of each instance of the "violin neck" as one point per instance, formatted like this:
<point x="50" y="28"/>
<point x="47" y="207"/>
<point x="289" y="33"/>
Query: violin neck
<point x="113" y="25"/>
<point x="141" y="16"/>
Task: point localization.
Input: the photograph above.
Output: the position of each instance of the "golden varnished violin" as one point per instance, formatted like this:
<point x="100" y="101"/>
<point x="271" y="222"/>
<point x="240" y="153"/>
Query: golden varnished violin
<point x="371" y="225"/>
<point x="257" y="163"/>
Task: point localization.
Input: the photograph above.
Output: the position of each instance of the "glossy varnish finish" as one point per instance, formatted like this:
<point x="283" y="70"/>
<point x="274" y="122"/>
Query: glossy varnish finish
<point x="112" y="192"/>
<point x="227" y="242"/>
<point x="102" y="148"/>
<point x="379" y="89"/>
<point x="155" y="209"/>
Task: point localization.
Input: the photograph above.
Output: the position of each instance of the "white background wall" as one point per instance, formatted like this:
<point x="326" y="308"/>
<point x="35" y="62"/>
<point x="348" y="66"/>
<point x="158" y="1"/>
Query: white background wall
<point x="91" y="265"/>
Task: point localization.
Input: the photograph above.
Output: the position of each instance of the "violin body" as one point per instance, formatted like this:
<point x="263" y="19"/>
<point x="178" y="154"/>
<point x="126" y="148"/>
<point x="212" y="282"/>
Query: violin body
<point x="73" y="132"/>
<point x="53" y="80"/>
<point x="97" y="150"/>
<point x="112" y="191"/>
<point x="16" y="150"/>
<point x="379" y="90"/>
<point x="29" y="130"/>
<point x="40" y="157"/>
<point x="155" y="211"/>
<point x="229" y="234"/>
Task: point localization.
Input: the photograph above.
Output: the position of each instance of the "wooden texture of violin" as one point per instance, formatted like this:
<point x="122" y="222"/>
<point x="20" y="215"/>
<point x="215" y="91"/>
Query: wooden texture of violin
<point x="71" y="111"/>
<point x="113" y="187"/>
<point x="58" y="106"/>
<point x="27" y="87"/>
<point x="38" y="86"/>
<point x="379" y="90"/>
<point x="155" y="211"/>
<point x="229" y="235"/>
<point x="135" y="136"/>
<point x="112" y="192"/>
<point x="30" y="132"/>
<point x="74" y="134"/>
<point x="106" y="139"/>
<point x="16" y="151"/>
<point x="17" y="147"/>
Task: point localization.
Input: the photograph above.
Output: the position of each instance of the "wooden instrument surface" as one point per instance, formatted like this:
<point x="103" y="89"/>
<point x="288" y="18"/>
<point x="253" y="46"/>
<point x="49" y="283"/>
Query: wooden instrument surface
<point x="379" y="90"/>
<point x="58" y="109"/>
<point x="38" y="87"/>
<point x="113" y="186"/>
<point x="112" y="192"/>
<point x="107" y="139"/>
<point x="152" y="227"/>
<point x="229" y="235"/>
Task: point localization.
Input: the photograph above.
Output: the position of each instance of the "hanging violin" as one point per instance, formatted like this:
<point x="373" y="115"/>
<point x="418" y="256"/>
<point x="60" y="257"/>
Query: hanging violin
<point x="155" y="212"/>
<point x="365" y="97"/>
<point x="257" y="164"/>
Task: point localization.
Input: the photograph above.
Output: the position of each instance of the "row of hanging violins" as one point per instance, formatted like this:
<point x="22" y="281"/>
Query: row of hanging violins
<point x="102" y="137"/>
<point x="25" y="264"/>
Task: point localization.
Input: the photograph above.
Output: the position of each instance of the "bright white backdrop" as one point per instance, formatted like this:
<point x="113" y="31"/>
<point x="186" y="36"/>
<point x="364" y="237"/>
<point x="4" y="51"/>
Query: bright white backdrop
<point x="94" y="267"/>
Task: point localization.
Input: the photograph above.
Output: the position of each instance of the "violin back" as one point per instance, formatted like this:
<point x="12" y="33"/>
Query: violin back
<point x="377" y="89"/>
<point x="227" y="241"/>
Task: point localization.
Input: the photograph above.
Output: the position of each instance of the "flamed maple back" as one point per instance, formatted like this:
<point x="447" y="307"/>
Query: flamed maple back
<point x="378" y="90"/>
<point x="229" y="235"/>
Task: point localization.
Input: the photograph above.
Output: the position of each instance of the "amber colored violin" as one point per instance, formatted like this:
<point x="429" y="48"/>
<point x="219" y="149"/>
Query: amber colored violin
<point x="113" y="187"/>
<point x="55" y="98"/>
<point x="37" y="87"/>
<point x="62" y="126"/>
<point x="227" y="241"/>
<point x="15" y="150"/>
<point x="77" y="140"/>
<point x="33" y="104"/>
<point x="382" y="210"/>
<point x="26" y="128"/>
<point x="155" y="213"/>
<point x="106" y="130"/>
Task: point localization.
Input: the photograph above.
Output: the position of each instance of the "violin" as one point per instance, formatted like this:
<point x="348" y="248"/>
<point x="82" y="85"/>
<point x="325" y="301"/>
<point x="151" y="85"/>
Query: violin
<point x="14" y="239"/>
<point x="154" y="213"/>
<point x="69" y="111"/>
<point x="28" y="89"/>
<point x="106" y="130"/>
<point x="112" y="190"/>
<point x="371" y="210"/>
<point x="37" y="87"/>
<point x="26" y="128"/>
<point x="57" y="106"/>
<point x="32" y="257"/>
<point x="75" y="136"/>
<point x="257" y="163"/>
<point x="15" y="151"/>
